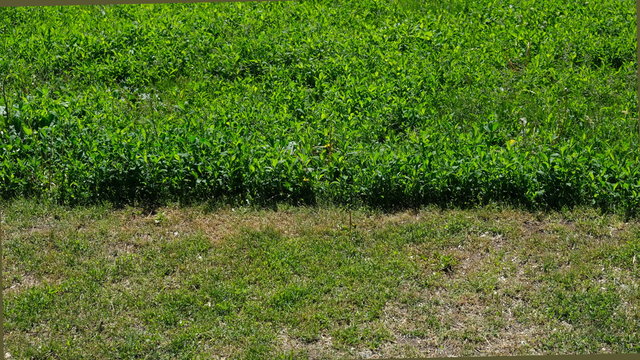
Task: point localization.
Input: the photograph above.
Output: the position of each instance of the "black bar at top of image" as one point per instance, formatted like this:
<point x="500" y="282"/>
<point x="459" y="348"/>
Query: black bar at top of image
<point x="8" y="3"/>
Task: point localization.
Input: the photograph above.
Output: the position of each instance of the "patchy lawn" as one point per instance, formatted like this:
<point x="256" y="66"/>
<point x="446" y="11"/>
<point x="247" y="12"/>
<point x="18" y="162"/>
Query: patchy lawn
<point x="196" y="282"/>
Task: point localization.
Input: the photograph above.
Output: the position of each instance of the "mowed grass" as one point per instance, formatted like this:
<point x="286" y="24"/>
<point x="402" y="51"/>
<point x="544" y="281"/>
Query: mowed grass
<point x="382" y="103"/>
<point x="297" y="282"/>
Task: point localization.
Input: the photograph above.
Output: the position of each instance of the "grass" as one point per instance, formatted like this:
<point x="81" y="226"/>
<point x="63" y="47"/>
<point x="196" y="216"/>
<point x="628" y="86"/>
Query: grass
<point x="297" y="282"/>
<point x="382" y="103"/>
<point x="230" y="138"/>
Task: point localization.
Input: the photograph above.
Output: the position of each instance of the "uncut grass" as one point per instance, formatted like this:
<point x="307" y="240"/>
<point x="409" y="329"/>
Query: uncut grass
<point x="301" y="283"/>
<point x="376" y="102"/>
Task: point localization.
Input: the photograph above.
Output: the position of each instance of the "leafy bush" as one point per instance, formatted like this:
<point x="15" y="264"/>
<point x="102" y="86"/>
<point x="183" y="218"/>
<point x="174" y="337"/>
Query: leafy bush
<point x="375" y="102"/>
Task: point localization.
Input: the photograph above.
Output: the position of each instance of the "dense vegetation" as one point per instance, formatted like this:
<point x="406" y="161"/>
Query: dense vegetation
<point x="376" y="102"/>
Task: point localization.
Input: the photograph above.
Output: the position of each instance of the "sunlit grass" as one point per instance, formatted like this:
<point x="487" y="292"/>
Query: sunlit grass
<point x="300" y="283"/>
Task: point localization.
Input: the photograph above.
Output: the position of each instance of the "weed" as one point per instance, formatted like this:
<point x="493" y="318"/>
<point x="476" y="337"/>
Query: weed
<point x="409" y="104"/>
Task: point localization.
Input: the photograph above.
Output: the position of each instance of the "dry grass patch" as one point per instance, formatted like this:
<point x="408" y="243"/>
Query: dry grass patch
<point x="317" y="282"/>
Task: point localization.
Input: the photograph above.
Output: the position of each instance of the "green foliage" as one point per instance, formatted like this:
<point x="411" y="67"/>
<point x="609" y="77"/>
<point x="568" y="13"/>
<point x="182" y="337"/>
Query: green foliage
<point x="373" y="102"/>
<point x="445" y="263"/>
<point x="589" y="306"/>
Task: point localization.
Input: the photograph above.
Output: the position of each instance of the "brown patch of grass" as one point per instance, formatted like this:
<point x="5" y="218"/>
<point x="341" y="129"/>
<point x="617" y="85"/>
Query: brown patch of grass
<point x="485" y="301"/>
<point x="25" y="282"/>
<point x="322" y="348"/>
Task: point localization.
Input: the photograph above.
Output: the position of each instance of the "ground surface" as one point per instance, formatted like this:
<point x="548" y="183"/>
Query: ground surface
<point x="301" y="283"/>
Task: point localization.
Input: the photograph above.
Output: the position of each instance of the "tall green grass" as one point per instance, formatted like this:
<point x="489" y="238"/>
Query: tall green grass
<point x="383" y="103"/>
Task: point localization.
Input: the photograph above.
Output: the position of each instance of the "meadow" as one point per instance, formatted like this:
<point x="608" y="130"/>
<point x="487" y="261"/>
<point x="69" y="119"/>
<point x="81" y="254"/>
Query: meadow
<point x="320" y="179"/>
<point x="382" y="104"/>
